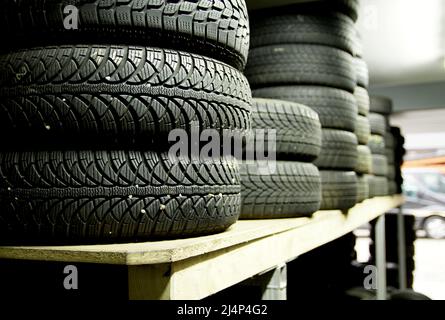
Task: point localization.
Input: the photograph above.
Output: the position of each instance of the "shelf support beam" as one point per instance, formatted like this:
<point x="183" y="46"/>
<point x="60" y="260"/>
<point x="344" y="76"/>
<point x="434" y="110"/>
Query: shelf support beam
<point x="380" y="248"/>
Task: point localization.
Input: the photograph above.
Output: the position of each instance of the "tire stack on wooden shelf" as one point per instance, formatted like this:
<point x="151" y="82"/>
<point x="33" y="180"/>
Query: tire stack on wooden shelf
<point x="379" y="112"/>
<point x="87" y="112"/>
<point x="395" y="151"/>
<point x="289" y="187"/>
<point x="392" y="166"/>
<point x="304" y="53"/>
<point x="399" y="153"/>
<point x="363" y="127"/>
<point x="393" y="143"/>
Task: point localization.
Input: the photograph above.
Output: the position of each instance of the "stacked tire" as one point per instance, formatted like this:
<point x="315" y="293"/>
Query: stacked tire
<point x="88" y="111"/>
<point x="303" y="53"/>
<point x="392" y="143"/>
<point x="363" y="127"/>
<point x="290" y="186"/>
<point x="379" y="118"/>
<point x="396" y="162"/>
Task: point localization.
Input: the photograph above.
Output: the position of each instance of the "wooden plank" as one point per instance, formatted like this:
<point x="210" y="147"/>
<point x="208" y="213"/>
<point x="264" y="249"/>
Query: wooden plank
<point x="201" y="276"/>
<point x="177" y="250"/>
<point x="149" y="282"/>
<point x="154" y="252"/>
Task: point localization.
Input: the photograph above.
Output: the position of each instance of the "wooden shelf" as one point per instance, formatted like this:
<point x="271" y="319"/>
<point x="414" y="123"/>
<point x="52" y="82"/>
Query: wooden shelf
<point x="198" y="267"/>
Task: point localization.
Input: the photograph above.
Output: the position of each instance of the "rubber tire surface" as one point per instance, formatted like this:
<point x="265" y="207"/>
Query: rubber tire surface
<point x="298" y="130"/>
<point x="376" y="144"/>
<point x="363" y="188"/>
<point x="113" y="196"/>
<point x="117" y="94"/>
<point x="363" y="130"/>
<point x="303" y="64"/>
<point x="362" y="73"/>
<point x="392" y="187"/>
<point x="339" y="190"/>
<point x="378" y="186"/>
<point x="219" y="29"/>
<point x="390" y="156"/>
<point x="336" y="108"/>
<point x="358" y="44"/>
<point x="292" y="190"/>
<point x="407" y="295"/>
<point x="379" y="165"/>
<point x="329" y="29"/>
<point x="348" y="7"/>
<point x="362" y="97"/>
<point x="378" y="124"/>
<point x="381" y="105"/>
<point x="364" y="160"/>
<point x="339" y="150"/>
<point x="391" y="172"/>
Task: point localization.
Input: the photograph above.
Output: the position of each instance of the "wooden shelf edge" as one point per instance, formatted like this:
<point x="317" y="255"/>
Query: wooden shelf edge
<point x="241" y="234"/>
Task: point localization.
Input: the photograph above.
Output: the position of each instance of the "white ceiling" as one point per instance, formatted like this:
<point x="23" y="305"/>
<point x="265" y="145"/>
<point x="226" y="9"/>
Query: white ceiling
<point x="404" y="40"/>
<point x="432" y="121"/>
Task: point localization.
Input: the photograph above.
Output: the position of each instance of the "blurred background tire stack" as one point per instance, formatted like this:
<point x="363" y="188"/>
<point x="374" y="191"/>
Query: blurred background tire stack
<point x="399" y="153"/>
<point x="394" y="151"/>
<point x="304" y="53"/>
<point x="89" y="109"/>
<point x="380" y="108"/>
<point x="363" y="127"/>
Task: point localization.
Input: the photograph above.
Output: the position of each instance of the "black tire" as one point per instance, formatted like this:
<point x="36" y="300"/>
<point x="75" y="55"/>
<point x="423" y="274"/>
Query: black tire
<point x="362" y="73"/>
<point x="379" y="165"/>
<point x="378" y="123"/>
<point x="378" y="186"/>
<point x="298" y="130"/>
<point x="219" y="29"/>
<point x="389" y="140"/>
<point x="113" y="196"/>
<point x="133" y="96"/>
<point x="362" y="97"/>
<point x="339" y="150"/>
<point x="391" y="172"/>
<point x="336" y="108"/>
<point x="390" y="156"/>
<point x="376" y="144"/>
<point x="381" y="105"/>
<point x="358" y="44"/>
<point x="362" y="130"/>
<point x="364" y="160"/>
<point x="434" y="227"/>
<point x="329" y="29"/>
<point x="348" y="7"/>
<point x="392" y="187"/>
<point x="404" y="295"/>
<point x="287" y="189"/>
<point x="290" y="64"/>
<point x="362" y="188"/>
<point x="396" y="132"/>
<point x="339" y="190"/>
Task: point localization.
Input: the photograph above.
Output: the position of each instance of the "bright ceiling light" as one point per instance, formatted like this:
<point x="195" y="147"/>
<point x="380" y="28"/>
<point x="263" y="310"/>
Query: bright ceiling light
<point x="403" y="39"/>
<point x="421" y="32"/>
